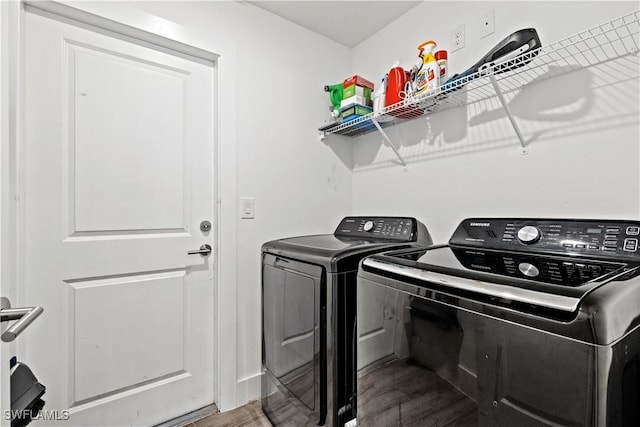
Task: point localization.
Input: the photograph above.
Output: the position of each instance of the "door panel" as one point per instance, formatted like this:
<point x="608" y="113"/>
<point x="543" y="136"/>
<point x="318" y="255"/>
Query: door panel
<point x="104" y="195"/>
<point x="117" y="175"/>
<point x="144" y="329"/>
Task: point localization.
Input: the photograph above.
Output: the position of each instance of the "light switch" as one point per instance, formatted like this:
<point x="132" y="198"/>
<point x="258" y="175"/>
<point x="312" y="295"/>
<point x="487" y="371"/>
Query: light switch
<point x="247" y="207"/>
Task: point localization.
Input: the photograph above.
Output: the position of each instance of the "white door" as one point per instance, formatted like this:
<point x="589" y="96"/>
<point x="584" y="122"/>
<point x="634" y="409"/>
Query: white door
<point x="117" y="177"/>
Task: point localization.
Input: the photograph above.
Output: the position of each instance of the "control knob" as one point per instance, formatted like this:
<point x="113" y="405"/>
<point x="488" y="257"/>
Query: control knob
<point x="368" y="226"/>
<point x="529" y="234"/>
<point x="528" y="269"/>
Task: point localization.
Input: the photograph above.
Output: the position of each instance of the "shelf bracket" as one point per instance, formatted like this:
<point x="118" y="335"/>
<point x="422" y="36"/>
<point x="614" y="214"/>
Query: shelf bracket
<point x="393" y="147"/>
<point x="512" y="119"/>
<point x="322" y="136"/>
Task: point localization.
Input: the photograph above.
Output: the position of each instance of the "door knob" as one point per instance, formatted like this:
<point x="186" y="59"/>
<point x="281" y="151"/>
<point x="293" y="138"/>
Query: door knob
<point x="204" y="250"/>
<point x="24" y="317"/>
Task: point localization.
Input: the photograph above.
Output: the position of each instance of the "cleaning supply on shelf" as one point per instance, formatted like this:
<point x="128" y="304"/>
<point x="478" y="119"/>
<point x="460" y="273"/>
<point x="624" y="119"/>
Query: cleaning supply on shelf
<point x="397" y="78"/>
<point x="356" y="94"/>
<point x="428" y="77"/>
<point x="441" y="57"/>
<point x="410" y="86"/>
<point x="357" y="80"/>
<point x="354" y="111"/>
<point x="379" y="95"/>
<point x="335" y="96"/>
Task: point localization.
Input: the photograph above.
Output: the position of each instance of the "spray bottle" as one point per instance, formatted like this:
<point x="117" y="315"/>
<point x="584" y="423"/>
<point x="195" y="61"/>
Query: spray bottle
<point x="335" y="96"/>
<point x="428" y="77"/>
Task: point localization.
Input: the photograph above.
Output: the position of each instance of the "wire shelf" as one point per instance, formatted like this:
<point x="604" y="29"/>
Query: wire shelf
<point x="610" y="41"/>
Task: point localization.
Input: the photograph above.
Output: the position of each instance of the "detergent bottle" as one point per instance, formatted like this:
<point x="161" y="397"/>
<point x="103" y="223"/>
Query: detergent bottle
<point x="428" y="77"/>
<point x="336" y="92"/>
<point x="396" y="80"/>
<point x="379" y="95"/>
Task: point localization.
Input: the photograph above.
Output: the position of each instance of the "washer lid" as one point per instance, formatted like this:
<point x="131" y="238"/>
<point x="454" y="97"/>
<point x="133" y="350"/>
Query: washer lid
<point x="519" y="280"/>
<point x="333" y="253"/>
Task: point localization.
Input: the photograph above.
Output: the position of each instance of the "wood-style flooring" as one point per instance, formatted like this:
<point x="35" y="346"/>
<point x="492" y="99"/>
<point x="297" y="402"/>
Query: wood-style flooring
<point x="249" y="415"/>
<point x="398" y="393"/>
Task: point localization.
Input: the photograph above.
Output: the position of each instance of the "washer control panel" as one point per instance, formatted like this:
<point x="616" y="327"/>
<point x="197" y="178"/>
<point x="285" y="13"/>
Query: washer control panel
<point x="391" y="228"/>
<point x="563" y="271"/>
<point x="599" y="238"/>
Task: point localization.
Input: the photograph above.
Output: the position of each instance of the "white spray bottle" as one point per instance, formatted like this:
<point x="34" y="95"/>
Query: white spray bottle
<point x="379" y="96"/>
<point x="428" y="77"/>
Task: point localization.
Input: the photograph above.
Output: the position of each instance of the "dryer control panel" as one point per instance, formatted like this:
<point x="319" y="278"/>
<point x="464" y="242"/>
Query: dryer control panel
<point x="391" y="228"/>
<point x="597" y="238"/>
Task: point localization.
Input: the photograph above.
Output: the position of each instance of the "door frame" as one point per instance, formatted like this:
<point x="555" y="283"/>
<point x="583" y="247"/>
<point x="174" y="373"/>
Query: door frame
<point x="11" y="84"/>
<point x="10" y="39"/>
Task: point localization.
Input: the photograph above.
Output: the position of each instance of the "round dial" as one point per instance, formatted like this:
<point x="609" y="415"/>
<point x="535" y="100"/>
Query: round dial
<point x="529" y="234"/>
<point x="528" y="269"/>
<point x="368" y="226"/>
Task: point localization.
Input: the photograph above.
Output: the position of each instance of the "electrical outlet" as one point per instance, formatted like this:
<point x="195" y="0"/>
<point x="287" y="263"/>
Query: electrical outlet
<point x="457" y="38"/>
<point x="487" y="24"/>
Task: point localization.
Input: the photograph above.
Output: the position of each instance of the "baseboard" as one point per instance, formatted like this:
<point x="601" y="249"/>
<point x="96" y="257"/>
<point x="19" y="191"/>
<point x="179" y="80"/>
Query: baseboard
<point x="249" y="389"/>
<point x="189" y="418"/>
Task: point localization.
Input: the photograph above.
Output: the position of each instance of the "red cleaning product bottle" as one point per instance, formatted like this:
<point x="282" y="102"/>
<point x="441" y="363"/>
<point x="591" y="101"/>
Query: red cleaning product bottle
<point x="441" y="57"/>
<point x="395" y="85"/>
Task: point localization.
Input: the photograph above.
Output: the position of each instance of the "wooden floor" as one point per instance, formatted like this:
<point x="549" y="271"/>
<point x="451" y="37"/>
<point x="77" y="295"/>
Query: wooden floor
<point x="249" y="415"/>
<point x="399" y="393"/>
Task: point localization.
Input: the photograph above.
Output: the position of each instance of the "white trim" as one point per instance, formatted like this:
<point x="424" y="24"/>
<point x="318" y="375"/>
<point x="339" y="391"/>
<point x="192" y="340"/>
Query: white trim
<point x="249" y="388"/>
<point x="100" y="24"/>
<point x="10" y="65"/>
<point x="227" y="255"/>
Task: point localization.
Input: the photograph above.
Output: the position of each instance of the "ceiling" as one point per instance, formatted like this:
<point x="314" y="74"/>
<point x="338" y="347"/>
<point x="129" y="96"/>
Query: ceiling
<point x="346" y="22"/>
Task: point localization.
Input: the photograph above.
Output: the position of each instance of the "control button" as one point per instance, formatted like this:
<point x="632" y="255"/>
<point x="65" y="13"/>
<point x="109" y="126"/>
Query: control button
<point x="611" y="243"/>
<point x="613" y="230"/>
<point x="609" y="249"/>
<point x="529" y="234"/>
<point x="581" y="246"/>
<point x="569" y="268"/>
<point x="633" y="231"/>
<point x="567" y="245"/>
<point x="610" y="236"/>
<point x="528" y="269"/>
<point x="630" y="245"/>
<point x="595" y="269"/>
<point x="593" y="247"/>
<point x="368" y="226"/>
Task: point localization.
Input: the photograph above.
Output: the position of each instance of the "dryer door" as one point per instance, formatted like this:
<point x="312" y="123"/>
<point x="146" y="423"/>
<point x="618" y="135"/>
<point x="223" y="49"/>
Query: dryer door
<point x="292" y="327"/>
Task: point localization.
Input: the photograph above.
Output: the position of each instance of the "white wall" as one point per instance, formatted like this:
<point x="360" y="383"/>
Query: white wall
<point x="583" y="156"/>
<point x="272" y="74"/>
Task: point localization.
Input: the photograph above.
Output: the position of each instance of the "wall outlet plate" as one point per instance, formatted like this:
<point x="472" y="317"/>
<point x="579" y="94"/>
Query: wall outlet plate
<point x="457" y="38"/>
<point x="487" y="24"/>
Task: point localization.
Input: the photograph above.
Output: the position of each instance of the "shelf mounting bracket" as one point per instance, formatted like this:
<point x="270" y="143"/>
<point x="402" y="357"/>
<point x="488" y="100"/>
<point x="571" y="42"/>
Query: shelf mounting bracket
<point x="512" y="119"/>
<point x="393" y="147"/>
